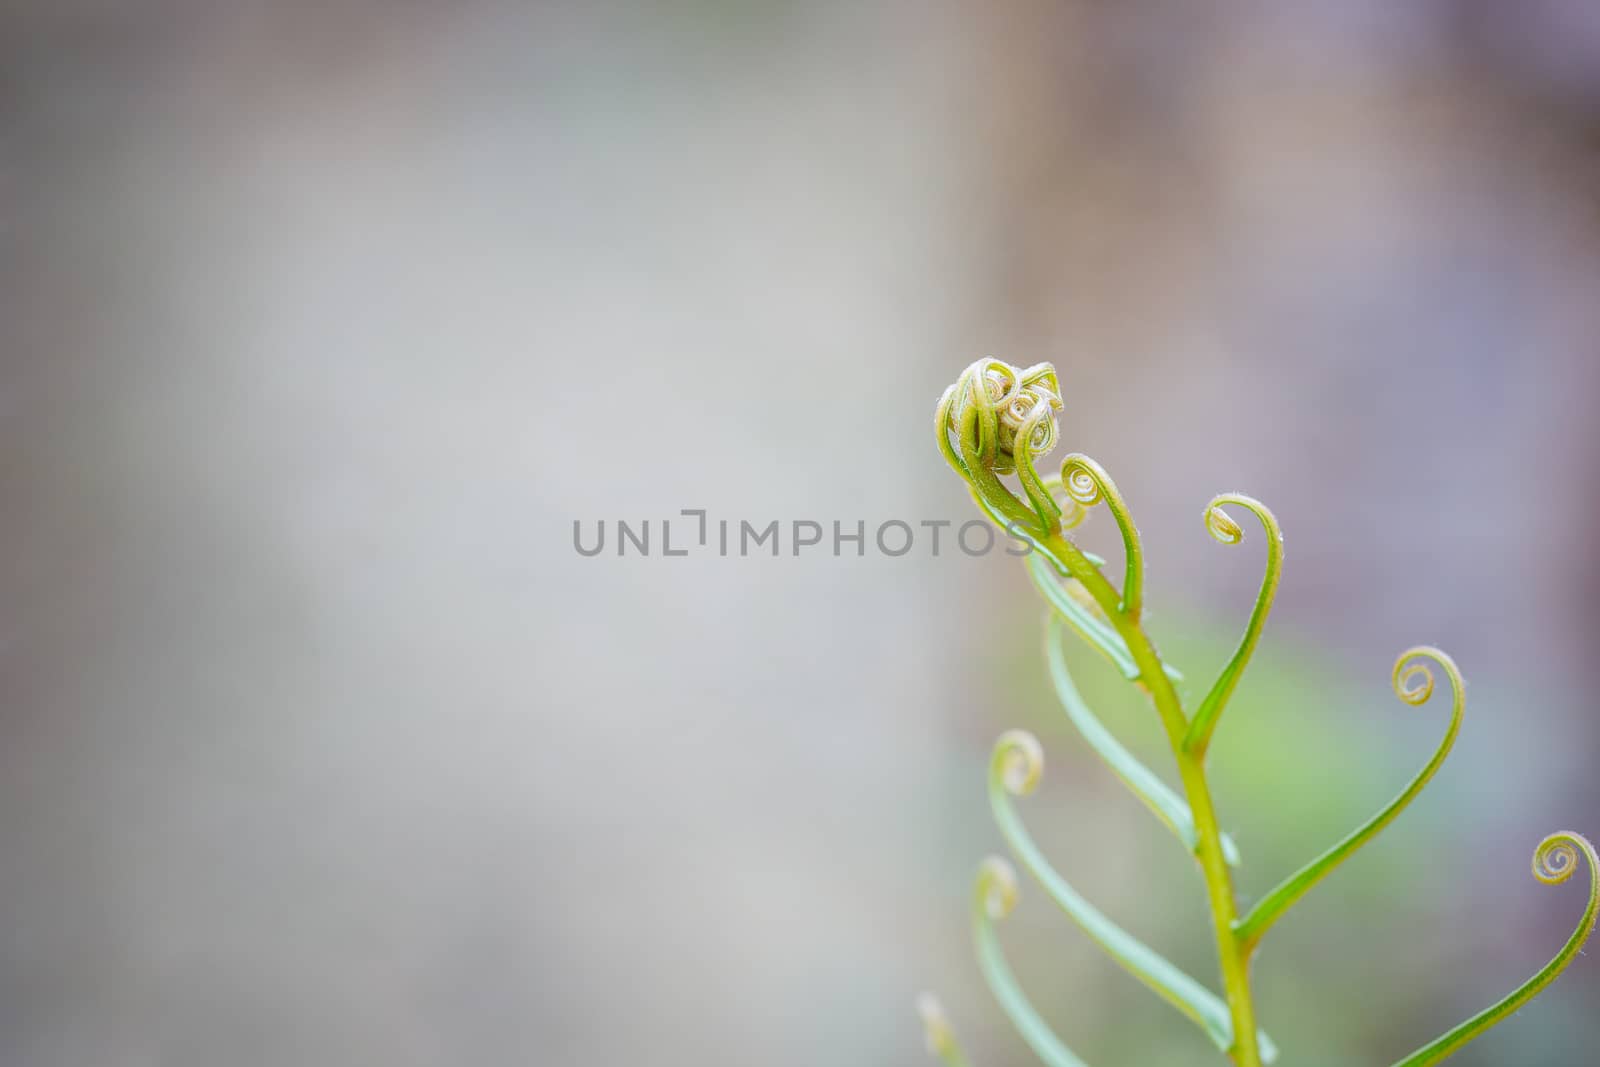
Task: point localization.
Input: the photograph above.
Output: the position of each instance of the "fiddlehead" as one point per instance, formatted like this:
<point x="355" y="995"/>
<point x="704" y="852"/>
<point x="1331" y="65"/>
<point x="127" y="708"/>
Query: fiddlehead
<point x="1413" y="683"/>
<point x="1222" y="527"/>
<point x="1554" y="861"/>
<point x="959" y="423"/>
<point x="1014" y="770"/>
<point x="993" y="898"/>
<point x="1087" y="483"/>
<point x="936" y="1030"/>
<point x="994" y="420"/>
<point x="997" y="419"/>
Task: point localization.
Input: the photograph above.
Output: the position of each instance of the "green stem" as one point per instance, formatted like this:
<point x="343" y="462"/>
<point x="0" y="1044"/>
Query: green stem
<point x="1219" y="892"/>
<point x="1231" y="956"/>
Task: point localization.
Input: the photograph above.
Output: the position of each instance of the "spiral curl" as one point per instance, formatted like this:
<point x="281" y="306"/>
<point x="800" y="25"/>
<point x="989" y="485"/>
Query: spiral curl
<point x="996" y="888"/>
<point x="1221" y="526"/>
<point x="1027" y="447"/>
<point x="1080" y="483"/>
<point x="1029" y="414"/>
<point x="1413" y="674"/>
<point x="1413" y="681"/>
<point x="1018" y="762"/>
<point x="1086" y="483"/>
<point x="999" y="379"/>
<point x="1556" y="858"/>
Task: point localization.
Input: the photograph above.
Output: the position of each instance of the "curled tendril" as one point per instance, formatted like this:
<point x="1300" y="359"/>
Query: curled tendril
<point x="1080" y="484"/>
<point x="1014" y="770"/>
<point x="1554" y="861"/>
<point x="1413" y="683"/>
<point x="1086" y="484"/>
<point x="1072" y="512"/>
<point x="1029" y="445"/>
<point x="994" y="895"/>
<point x="1018" y="762"/>
<point x="1221" y="525"/>
<point x="1225" y="529"/>
<point x="1413" y="680"/>
<point x="938" y="1033"/>
<point x="997" y="887"/>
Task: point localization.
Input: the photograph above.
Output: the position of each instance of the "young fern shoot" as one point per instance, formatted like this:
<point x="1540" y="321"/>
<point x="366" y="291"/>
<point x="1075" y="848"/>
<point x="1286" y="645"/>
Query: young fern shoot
<point x="998" y="420"/>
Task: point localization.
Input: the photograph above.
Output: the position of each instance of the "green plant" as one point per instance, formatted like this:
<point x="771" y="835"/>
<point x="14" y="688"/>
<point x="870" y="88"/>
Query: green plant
<point x="996" y="421"/>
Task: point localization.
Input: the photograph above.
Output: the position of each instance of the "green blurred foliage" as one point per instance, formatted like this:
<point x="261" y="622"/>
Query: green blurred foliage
<point x="1379" y="959"/>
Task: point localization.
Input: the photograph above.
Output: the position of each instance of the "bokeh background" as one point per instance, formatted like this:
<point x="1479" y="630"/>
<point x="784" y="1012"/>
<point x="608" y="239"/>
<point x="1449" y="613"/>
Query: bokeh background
<point x="322" y="323"/>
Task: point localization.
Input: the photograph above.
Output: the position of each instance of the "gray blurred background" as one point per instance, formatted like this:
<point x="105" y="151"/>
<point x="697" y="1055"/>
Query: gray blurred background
<point x="322" y="324"/>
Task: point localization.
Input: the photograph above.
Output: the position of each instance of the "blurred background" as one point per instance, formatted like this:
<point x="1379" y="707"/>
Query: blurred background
<point x="323" y="323"/>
